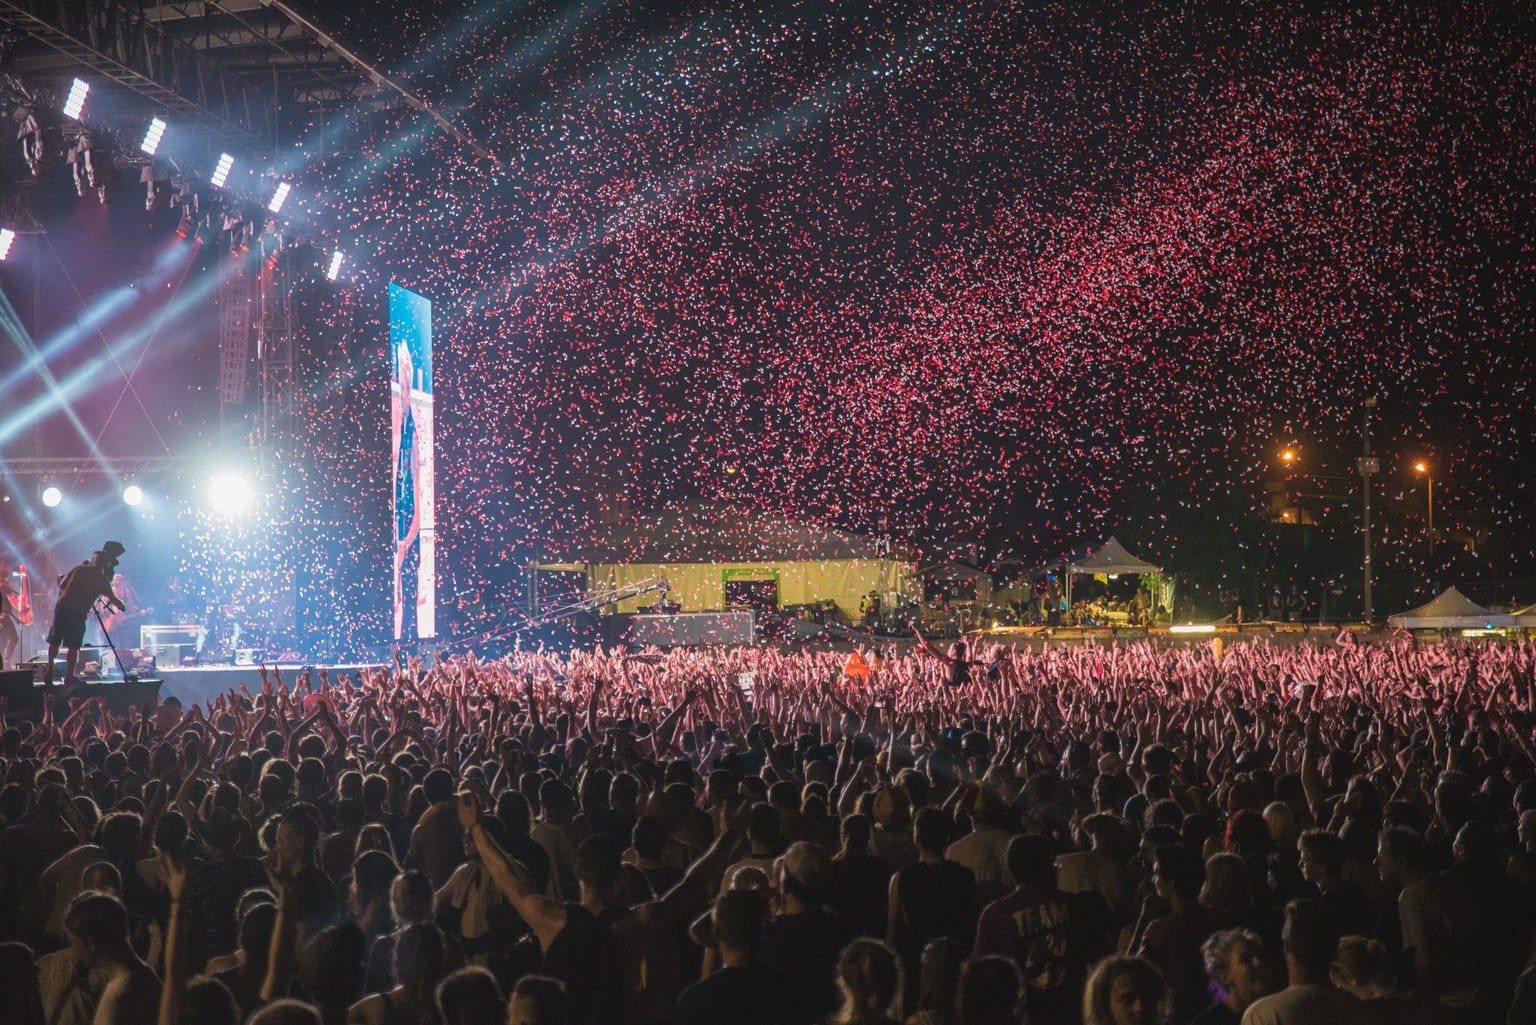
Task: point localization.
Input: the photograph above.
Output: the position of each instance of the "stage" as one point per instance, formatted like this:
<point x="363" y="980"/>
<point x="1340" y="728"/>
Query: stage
<point x="199" y="685"/>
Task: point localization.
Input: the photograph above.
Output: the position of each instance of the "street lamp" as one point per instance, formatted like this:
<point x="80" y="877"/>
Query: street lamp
<point x="1422" y="467"/>
<point x="1368" y="465"/>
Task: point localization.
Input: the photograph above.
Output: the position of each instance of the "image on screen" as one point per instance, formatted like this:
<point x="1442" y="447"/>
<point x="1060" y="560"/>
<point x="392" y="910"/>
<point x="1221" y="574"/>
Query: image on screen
<point x="410" y="418"/>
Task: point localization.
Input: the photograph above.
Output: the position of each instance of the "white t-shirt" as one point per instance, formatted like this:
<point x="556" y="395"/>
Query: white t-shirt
<point x="1306" y="1005"/>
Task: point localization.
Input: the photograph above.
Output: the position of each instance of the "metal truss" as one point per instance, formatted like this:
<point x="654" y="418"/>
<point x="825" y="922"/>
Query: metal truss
<point x="118" y="42"/>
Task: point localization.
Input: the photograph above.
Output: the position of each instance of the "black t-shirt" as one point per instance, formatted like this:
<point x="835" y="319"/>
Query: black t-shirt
<point x="315" y="897"/>
<point x="860" y="887"/>
<point x="939" y="901"/>
<point x="81" y="587"/>
<point x="749" y="995"/>
<point x="805" y="947"/>
<point x="533" y="857"/>
<point x="585" y="956"/>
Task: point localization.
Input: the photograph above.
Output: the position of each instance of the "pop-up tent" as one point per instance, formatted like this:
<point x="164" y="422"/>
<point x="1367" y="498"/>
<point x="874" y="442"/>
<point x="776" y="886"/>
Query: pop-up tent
<point x="1111" y="559"/>
<point x="1451" y="610"/>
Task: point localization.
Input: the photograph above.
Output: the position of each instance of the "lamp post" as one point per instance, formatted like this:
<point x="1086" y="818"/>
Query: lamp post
<point x="1422" y="467"/>
<point x="1368" y="465"/>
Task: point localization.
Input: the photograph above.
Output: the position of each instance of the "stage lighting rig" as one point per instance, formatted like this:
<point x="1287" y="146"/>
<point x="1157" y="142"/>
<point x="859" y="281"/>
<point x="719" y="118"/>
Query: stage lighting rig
<point x="279" y="197"/>
<point x="157" y="188"/>
<point x="39" y="140"/>
<point x="240" y="229"/>
<point x="74" y="103"/>
<point x="221" y="171"/>
<point x="94" y="169"/>
<point x="152" y="136"/>
<point x="7" y="239"/>
<point x="335" y="265"/>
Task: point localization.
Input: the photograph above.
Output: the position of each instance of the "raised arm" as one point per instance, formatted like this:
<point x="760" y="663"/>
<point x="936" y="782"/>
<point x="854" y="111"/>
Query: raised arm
<point x="545" y="917"/>
<point x="175" y="981"/>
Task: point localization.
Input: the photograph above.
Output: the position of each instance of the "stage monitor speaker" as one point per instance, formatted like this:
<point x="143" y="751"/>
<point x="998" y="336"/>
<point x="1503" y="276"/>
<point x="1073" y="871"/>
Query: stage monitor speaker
<point x="168" y="654"/>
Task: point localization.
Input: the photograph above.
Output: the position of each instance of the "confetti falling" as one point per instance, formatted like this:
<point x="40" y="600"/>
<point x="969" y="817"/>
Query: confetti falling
<point x="1023" y="276"/>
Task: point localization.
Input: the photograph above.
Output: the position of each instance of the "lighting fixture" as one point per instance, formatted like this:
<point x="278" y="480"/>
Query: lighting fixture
<point x="152" y="136"/>
<point x="229" y="494"/>
<point x="279" y="196"/>
<point x="74" y="104"/>
<point x="335" y="266"/>
<point x="133" y="495"/>
<point x="7" y="239"/>
<point x="221" y="172"/>
<point x="52" y="496"/>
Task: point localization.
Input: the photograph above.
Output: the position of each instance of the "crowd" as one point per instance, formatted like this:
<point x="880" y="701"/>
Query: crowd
<point x="1114" y="835"/>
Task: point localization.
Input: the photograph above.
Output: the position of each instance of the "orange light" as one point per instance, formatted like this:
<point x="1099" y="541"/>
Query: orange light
<point x="1288" y="456"/>
<point x="1420" y="467"/>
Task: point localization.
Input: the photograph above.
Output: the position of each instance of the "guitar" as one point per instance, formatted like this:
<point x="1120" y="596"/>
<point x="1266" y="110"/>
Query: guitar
<point x="111" y="621"/>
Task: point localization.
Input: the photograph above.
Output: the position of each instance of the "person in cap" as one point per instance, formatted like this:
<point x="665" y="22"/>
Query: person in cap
<point x="80" y="589"/>
<point x="804" y="940"/>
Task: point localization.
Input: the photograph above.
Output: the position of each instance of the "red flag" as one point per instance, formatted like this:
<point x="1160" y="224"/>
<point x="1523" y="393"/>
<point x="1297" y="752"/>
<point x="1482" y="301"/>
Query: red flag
<point x="24" y="600"/>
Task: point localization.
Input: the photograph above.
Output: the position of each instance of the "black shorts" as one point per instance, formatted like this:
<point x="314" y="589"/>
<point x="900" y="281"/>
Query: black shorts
<point x="68" y="630"/>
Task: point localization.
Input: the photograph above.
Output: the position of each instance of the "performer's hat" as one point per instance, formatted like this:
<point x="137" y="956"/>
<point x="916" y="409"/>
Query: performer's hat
<point x="112" y="549"/>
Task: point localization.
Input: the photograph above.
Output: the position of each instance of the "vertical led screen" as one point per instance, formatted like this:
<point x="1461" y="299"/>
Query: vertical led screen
<point x="410" y="418"/>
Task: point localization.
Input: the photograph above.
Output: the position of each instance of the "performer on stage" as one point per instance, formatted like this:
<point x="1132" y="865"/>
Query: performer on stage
<point x="80" y="589"/>
<point x="10" y="636"/>
<point x="112" y="618"/>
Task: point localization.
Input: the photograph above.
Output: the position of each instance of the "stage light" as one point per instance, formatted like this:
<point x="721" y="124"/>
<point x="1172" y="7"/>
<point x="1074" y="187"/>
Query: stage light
<point x="39" y="142"/>
<point x="94" y="170"/>
<point x="335" y="267"/>
<point x="52" y="496"/>
<point x="133" y="495"/>
<point x="230" y="494"/>
<point x="221" y="172"/>
<point x="157" y="188"/>
<point x="7" y="239"/>
<point x="279" y="196"/>
<point x="152" y="136"/>
<point x="239" y="229"/>
<point x="74" y="104"/>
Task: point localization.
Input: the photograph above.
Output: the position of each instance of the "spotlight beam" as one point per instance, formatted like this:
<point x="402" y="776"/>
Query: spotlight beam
<point x="379" y="78"/>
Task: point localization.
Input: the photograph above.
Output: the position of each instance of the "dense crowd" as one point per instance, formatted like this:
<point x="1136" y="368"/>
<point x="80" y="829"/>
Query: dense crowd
<point x="1116" y="835"/>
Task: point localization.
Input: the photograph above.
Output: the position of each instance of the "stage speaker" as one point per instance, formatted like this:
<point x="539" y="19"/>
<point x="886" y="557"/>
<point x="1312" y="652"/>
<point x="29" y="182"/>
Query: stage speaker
<point x="168" y="654"/>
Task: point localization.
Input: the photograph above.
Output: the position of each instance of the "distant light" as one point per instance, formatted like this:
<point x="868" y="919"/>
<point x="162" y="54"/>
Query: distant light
<point x="133" y="495"/>
<point x="1288" y="456"/>
<point x="152" y="136"/>
<point x="52" y="496"/>
<point x="1420" y="467"/>
<point x="7" y="238"/>
<point x="221" y="172"/>
<point x="1192" y="628"/>
<point x="335" y="267"/>
<point x="276" y="205"/>
<point x="230" y="494"/>
<point x="74" y="104"/>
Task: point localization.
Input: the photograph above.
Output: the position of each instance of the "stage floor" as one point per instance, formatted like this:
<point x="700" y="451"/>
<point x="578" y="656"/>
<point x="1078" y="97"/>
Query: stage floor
<point x="199" y="685"/>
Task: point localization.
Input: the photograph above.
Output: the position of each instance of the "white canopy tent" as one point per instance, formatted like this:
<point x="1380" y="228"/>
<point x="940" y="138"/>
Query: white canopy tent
<point x="1111" y="559"/>
<point x="1451" y="610"/>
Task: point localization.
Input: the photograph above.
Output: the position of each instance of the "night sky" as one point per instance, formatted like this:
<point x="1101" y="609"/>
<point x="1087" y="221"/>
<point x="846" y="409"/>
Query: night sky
<point x="1004" y="275"/>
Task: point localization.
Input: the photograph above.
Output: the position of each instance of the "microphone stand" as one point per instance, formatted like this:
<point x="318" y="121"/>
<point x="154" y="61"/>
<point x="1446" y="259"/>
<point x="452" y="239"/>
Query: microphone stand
<point x="127" y="677"/>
